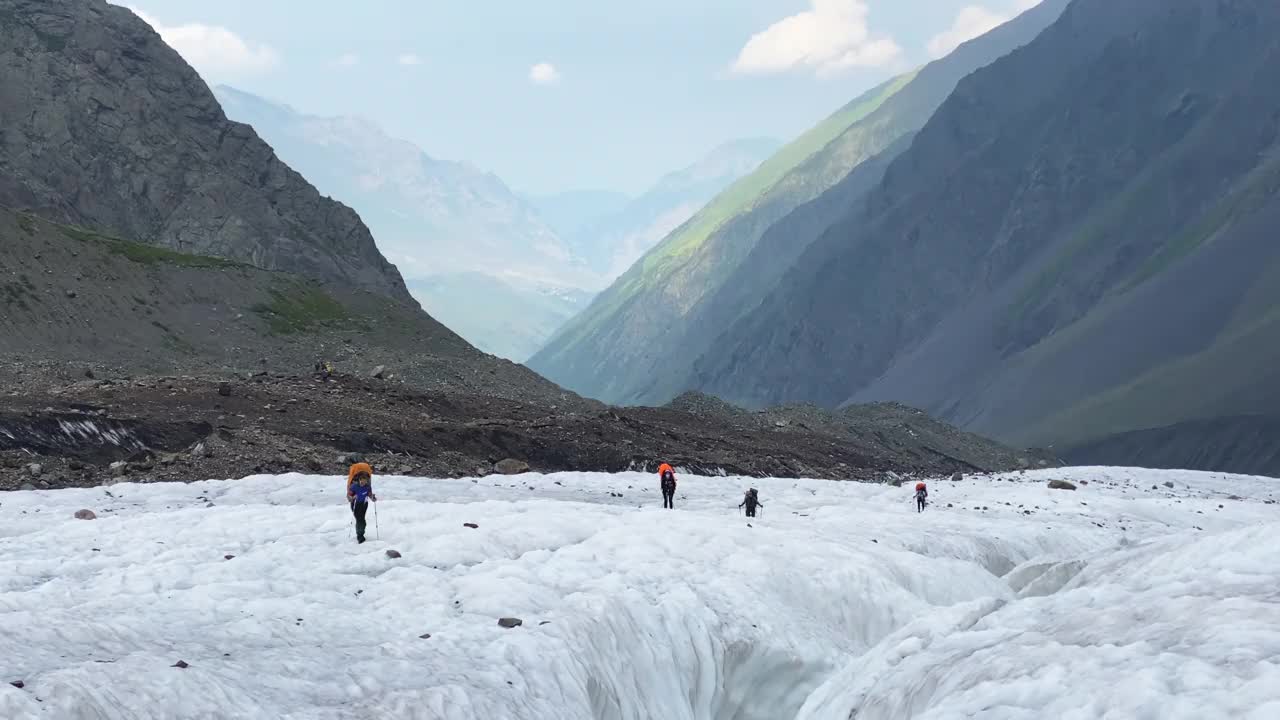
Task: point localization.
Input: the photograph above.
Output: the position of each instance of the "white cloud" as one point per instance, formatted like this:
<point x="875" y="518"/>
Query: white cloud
<point x="972" y="21"/>
<point x="409" y="59"/>
<point x="831" y="36"/>
<point x="215" y="52"/>
<point x="544" y="74"/>
<point x="347" y="60"/>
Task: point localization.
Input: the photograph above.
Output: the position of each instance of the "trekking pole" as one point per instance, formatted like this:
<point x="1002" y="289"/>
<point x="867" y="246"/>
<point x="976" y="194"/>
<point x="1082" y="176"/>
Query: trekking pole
<point x="376" y="529"/>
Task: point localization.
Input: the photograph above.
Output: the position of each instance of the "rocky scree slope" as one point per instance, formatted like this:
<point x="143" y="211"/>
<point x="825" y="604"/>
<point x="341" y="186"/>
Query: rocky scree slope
<point x="82" y="301"/>
<point x="103" y="125"/>
<point x="639" y="341"/>
<point x="1076" y="245"/>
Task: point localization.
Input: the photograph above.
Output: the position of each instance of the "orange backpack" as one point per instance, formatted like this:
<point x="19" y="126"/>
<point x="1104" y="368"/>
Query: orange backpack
<point x="356" y="470"/>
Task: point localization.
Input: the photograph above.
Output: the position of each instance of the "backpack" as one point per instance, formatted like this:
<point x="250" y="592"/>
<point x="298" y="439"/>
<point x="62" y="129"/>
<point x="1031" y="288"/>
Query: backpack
<point x="356" y="470"/>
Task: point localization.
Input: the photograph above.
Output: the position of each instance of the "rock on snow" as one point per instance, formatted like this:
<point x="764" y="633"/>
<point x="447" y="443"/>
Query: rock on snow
<point x="1116" y="600"/>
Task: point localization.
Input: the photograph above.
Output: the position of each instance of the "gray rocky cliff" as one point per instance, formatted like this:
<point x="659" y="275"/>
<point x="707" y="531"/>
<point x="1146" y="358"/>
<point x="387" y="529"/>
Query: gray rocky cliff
<point x="103" y="125"/>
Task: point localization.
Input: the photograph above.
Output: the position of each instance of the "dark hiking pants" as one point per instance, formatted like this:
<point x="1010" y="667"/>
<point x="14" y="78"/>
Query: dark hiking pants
<point x="668" y="498"/>
<point x="919" y="504"/>
<point x="359" y="509"/>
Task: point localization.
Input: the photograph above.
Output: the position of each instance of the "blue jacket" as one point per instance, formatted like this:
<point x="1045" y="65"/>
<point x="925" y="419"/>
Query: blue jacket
<point x="360" y="493"/>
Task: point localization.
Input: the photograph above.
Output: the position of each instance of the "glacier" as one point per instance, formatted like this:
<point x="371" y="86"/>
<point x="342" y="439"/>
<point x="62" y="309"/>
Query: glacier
<point x="1126" y="598"/>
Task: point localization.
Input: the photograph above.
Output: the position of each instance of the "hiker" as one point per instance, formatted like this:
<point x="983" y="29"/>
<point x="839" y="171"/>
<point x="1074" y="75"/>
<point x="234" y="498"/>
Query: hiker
<point x="751" y="500"/>
<point x="359" y="493"/>
<point x="668" y="475"/>
<point x="922" y="494"/>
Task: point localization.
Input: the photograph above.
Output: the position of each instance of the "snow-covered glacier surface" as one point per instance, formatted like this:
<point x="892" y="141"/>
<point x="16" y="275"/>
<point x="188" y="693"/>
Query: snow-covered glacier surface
<point x="1004" y="599"/>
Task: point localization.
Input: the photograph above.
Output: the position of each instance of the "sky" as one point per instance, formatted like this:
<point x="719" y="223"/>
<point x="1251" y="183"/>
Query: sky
<point x="572" y="94"/>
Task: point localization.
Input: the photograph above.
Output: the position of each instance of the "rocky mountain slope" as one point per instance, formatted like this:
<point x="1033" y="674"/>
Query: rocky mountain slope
<point x="1076" y="245"/>
<point x="104" y="125"/>
<point x="639" y="340"/>
<point x="81" y="300"/>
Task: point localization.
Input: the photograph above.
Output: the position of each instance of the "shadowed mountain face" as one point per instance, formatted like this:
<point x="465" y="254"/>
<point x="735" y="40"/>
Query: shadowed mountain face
<point x="103" y="125"/>
<point x="1079" y="243"/>
<point x="639" y="340"/>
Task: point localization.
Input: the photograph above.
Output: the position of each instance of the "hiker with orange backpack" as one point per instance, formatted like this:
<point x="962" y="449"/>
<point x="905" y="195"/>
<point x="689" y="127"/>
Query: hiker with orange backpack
<point x="667" y="475"/>
<point x="922" y="495"/>
<point x="359" y="493"/>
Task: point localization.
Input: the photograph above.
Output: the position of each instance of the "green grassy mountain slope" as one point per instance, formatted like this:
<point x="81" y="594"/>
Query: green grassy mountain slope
<point x="638" y="341"/>
<point x="1078" y="245"/>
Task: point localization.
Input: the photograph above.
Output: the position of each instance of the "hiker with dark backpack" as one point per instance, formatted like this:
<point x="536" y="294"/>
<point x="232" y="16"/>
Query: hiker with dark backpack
<point x="922" y="496"/>
<point x="751" y="500"/>
<point x="668" y="478"/>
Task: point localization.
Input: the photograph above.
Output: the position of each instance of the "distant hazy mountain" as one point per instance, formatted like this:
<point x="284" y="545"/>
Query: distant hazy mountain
<point x="613" y="242"/>
<point x="430" y="216"/>
<point x="572" y="211"/>
<point x="486" y="312"/>
<point x="439" y="221"/>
